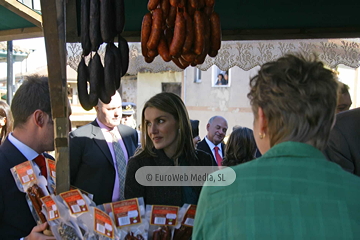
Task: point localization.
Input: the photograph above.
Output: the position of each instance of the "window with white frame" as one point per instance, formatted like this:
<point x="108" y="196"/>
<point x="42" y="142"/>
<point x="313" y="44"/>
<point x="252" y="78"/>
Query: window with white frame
<point x="220" y="78"/>
<point x="197" y="75"/>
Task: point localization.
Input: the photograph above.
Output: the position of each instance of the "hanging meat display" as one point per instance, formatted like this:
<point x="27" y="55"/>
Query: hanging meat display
<point x="184" y="31"/>
<point x="101" y="21"/>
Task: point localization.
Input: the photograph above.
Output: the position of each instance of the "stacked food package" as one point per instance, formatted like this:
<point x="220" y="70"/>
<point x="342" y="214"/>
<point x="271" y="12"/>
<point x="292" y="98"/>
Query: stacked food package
<point x="182" y="31"/>
<point x="101" y="22"/>
<point x="73" y="214"/>
<point x="129" y="218"/>
<point x="70" y="215"/>
<point x="170" y="222"/>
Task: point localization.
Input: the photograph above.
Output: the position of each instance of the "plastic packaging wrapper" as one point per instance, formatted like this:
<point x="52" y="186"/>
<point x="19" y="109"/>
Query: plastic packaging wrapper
<point x="62" y="224"/>
<point x="29" y="180"/>
<point x="163" y="221"/>
<point x="26" y="175"/>
<point x="129" y="218"/>
<point x="187" y="216"/>
<point x="89" y="195"/>
<point x="98" y="225"/>
<point x="51" y="175"/>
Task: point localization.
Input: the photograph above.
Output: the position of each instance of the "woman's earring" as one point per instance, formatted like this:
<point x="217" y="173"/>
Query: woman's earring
<point x="261" y="135"/>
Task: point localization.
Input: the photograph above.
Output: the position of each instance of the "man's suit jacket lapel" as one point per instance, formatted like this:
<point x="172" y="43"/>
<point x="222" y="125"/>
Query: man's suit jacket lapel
<point x="99" y="139"/>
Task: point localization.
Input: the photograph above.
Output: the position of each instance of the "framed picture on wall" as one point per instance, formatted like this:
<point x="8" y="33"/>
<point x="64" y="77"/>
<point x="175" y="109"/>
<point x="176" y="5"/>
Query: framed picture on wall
<point x="220" y="78"/>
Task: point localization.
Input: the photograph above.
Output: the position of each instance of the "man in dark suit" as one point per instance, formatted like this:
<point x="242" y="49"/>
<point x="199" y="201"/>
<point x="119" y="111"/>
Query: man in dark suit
<point x="94" y="166"/>
<point x="213" y="141"/>
<point x="33" y="134"/>
<point x="344" y="142"/>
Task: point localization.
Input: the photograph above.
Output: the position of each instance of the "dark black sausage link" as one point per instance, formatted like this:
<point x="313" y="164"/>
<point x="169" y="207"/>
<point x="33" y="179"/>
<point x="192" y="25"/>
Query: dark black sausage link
<point x="124" y="53"/>
<point x="109" y="72"/>
<point x="82" y="79"/>
<point x="84" y="23"/>
<point x="105" y="98"/>
<point x="107" y="20"/>
<point x="96" y="71"/>
<point x="94" y="27"/>
<point x="118" y="66"/>
<point x="120" y="15"/>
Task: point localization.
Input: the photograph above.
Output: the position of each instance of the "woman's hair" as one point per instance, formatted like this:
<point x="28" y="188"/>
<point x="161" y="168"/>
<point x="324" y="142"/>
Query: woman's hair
<point x="240" y="147"/>
<point x="299" y="99"/>
<point x="194" y="127"/>
<point x="8" y="127"/>
<point x="170" y="103"/>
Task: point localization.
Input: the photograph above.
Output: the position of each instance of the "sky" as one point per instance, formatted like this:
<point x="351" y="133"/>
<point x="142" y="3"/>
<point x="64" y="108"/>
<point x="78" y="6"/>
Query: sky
<point x="36" y="59"/>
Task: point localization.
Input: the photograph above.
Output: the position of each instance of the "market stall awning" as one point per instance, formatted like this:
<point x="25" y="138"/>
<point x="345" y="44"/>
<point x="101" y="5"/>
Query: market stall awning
<point x="254" y="20"/>
<point x="18" y="21"/>
<point x="240" y="20"/>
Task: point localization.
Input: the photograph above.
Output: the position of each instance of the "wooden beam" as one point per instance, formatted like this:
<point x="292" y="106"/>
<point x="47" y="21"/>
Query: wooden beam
<point x="54" y="33"/>
<point x="23" y="11"/>
<point x="21" y="33"/>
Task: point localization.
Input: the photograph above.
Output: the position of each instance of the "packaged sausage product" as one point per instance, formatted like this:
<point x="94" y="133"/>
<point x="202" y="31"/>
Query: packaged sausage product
<point x="89" y="195"/>
<point x="184" y="231"/>
<point x="76" y="202"/>
<point x="129" y="218"/>
<point x="98" y="225"/>
<point x="78" y="207"/>
<point x="29" y="180"/>
<point x="163" y="220"/>
<point x="62" y="225"/>
<point x="51" y="175"/>
<point x="27" y="174"/>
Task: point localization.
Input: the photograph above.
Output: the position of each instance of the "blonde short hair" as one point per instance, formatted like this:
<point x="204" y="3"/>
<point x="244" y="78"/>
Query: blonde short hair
<point x="298" y="97"/>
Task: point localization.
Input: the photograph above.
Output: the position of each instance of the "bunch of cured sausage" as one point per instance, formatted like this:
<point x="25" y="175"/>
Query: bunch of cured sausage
<point x="101" y="21"/>
<point x="184" y="31"/>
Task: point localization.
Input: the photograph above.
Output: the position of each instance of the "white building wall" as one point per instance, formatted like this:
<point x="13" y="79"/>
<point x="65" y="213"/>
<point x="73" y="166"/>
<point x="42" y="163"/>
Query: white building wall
<point x="149" y="84"/>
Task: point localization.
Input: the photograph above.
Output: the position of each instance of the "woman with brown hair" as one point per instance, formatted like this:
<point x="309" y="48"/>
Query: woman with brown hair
<point x="6" y="121"/>
<point x="240" y="147"/>
<point x="166" y="140"/>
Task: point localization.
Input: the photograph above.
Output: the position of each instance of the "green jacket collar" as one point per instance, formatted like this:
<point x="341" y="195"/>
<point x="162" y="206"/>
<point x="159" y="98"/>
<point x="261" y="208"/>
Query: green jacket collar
<point x="293" y="149"/>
